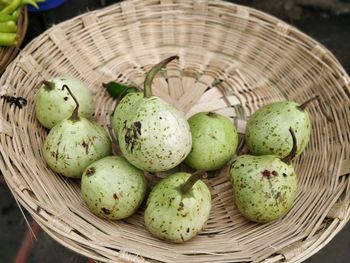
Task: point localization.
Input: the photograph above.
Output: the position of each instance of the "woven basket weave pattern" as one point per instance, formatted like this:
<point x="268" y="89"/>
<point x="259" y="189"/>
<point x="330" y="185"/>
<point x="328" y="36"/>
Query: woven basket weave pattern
<point x="233" y="60"/>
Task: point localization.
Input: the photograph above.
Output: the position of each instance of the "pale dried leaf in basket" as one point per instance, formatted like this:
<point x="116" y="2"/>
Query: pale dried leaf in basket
<point x="233" y="60"/>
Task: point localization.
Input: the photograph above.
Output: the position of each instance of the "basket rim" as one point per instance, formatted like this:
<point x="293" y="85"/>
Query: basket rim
<point x="24" y="195"/>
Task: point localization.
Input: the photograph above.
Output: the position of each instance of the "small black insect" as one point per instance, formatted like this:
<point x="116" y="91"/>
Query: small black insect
<point x="18" y="101"/>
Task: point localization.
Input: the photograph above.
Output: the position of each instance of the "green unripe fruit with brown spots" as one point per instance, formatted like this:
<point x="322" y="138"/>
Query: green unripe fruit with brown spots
<point x="125" y="106"/>
<point x="54" y="104"/>
<point x="112" y="188"/>
<point x="75" y="143"/>
<point x="267" y="129"/>
<point x="152" y="135"/>
<point x="214" y="141"/>
<point x="264" y="187"/>
<point x="178" y="207"/>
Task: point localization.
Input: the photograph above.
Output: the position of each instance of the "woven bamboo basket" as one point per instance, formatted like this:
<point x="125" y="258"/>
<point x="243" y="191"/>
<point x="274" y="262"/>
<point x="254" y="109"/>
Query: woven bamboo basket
<point x="233" y="60"/>
<point x="7" y="54"/>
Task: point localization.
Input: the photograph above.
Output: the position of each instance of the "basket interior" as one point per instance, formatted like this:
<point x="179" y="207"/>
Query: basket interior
<point x="233" y="60"/>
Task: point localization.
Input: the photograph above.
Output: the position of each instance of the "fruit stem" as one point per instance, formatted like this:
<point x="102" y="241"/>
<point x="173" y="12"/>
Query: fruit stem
<point x="211" y="114"/>
<point x="74" y="115"/>
<point x="187" y="186"/>
<point x="293" y="152"/>
<point x="303" y="106"/>
<point x="48" y="85"/>
<point x="152" y="73"/>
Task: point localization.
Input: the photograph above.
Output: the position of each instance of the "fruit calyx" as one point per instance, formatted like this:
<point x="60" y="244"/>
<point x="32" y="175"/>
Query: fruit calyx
<point x="152" y="73"/>
<point x="74" y="116"/>
<point x="187" y="186"/>
<point x="293" y="152"/>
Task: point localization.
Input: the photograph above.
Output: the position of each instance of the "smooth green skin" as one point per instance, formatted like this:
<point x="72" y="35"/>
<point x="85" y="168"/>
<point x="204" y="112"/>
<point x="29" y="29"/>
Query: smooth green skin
<point x="214" y="141"/>
<point x="53" y="106"/>
<point x="173" y="216"/>
<point x="11" y="7"/>
<point x="164" y="138"/>
<point x="6" y="18"/>
<point x="71" y="146"/>
<point x="112" y="188"/>
<point x="260" y="198"/>
<point x="8" y="27"/>
<point x="124" y="107"/>
<point x="7" y="39"/>
<point x="267" y="130"/>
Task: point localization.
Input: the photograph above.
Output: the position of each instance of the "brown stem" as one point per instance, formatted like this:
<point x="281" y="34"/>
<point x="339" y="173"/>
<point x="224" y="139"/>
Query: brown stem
<point x="317" y="98"/>
<point x="152" y="73"/>
<point x="293" y="152"/>
<point x="211" y="114"/>
<point x="187" y="186"/>
<point x="304" y="104"/>
<point x="74" y="115"/>
<point x="49" y="85"/>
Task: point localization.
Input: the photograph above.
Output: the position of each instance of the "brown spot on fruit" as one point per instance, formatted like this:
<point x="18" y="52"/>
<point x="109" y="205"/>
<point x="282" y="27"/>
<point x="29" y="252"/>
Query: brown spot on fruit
<point x="65" y="98"/>
<point x="181" y="206"/>
<point x="137" y="127"/>
<point x="266" y="173"/>
<point x="115" y="196"/>
<point x="106" y="211"/>
<point x="56" y="155"/>
<point x="132" y="134"/>
<point x="86" y="146"/>
<point x="274" y="173"/>
<point x="279" y="197"/>
<point x="182" y="237"/>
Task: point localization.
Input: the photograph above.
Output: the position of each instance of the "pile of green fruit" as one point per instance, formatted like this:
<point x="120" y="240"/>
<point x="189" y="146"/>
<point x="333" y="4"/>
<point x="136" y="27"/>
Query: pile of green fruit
<point x="155" y="137"/>
<point x="9" y="12"/>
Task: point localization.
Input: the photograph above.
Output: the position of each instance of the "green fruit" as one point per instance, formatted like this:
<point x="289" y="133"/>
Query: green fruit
<point x="178" y="207"/>
<point x="125" y="106"/>
<point x="153" y="136"/>
<point x="267" y="129"/>
<point x="53" y="104"/>
<point x="74" y="144"/>
<point x="265" y="186"/>
<point x="112" y="188"/>
<point x="214" y="141"/>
